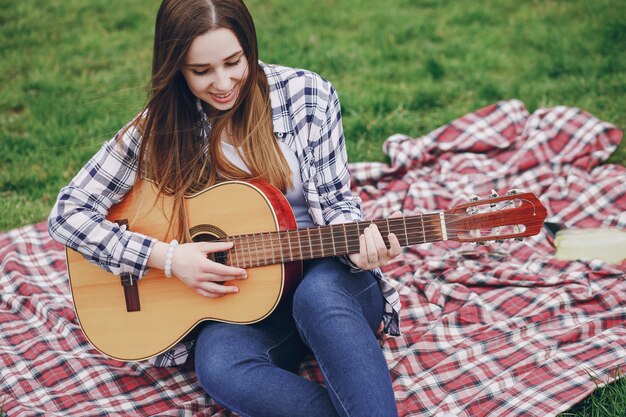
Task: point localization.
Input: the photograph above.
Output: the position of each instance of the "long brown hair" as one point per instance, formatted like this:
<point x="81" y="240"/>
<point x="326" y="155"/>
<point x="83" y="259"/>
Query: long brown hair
<point x="173" y="151"/>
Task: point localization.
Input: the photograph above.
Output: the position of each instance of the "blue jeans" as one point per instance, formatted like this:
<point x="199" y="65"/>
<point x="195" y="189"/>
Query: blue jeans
<point x="251" y="369"/>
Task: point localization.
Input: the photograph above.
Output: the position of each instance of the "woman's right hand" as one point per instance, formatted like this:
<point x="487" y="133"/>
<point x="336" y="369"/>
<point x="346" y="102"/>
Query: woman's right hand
<point x="190" y="265"/>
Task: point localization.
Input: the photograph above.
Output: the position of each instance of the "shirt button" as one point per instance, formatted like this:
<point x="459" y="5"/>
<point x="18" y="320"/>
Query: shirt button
<point x="280" y="134"/>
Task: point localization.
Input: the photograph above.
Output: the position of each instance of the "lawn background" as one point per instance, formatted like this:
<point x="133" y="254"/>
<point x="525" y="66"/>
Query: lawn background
<point x="72" y="72"/>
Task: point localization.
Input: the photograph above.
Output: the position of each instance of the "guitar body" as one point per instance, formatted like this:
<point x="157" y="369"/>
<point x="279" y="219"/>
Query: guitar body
<point x="169" y="309"/>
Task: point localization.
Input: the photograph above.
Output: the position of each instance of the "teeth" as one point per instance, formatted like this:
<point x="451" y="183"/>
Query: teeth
<point x="223" y="95"/>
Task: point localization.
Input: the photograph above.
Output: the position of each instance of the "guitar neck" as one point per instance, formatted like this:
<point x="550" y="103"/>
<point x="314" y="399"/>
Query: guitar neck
<point x="261" y="249"/>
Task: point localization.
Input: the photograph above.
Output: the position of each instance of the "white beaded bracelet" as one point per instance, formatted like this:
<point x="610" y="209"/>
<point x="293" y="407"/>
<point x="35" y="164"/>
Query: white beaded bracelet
<point x="168" y="258"/>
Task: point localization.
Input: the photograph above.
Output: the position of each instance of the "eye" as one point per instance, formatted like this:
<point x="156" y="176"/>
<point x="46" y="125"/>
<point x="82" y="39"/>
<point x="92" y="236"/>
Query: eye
<point x="203" y="72"/>
<point x="234" y="63"/>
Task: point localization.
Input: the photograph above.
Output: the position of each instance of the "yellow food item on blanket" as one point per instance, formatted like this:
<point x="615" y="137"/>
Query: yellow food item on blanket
<point x="608" y="244"/>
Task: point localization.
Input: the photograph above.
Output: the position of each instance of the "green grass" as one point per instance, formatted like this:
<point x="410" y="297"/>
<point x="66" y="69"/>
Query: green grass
<point x="609" y="401"/>
<point x="72" y="72"/>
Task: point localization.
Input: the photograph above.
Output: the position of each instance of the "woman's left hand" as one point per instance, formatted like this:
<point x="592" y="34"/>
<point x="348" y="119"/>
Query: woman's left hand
<point x="373" y="252"/>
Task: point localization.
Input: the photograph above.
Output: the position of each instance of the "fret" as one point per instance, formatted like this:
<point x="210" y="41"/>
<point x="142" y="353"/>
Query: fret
<point x="272" y="249"/>
<point x="238" y="253"/>
<point x="253" y="260"/>
<point x="247" y="259"/>
<point x="299" y="245"/>
<point x="406" y="234"/>
<point x="423" y="229"/>
<point x="442" y="221"/>
<point x="254" y="257"/>
<point x="289" y="244"/>
<point x="338" y="233"/>
<point x="264" y="250"/>
<point x="355" y="234"/>
<point x="227" y="252"/>
<point x="250" y="252"/>
<point x="345" y="237"/>
<point x="332" y="237"/>
<point x="256" y="251"/>
<point x="232" y="251"/>
<point x="280" y="240"/>
<point x="319" y="229"/>
<point x="243" y="251"/>
<point x="308" y="231"/>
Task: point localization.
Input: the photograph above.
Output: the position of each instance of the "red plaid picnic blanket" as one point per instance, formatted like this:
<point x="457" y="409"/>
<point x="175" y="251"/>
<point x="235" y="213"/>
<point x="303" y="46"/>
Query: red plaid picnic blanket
<point x="502" y="330"/>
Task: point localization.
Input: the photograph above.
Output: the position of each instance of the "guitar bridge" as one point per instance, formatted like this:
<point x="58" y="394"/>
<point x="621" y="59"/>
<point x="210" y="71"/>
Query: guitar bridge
<point x="131" y="292"/>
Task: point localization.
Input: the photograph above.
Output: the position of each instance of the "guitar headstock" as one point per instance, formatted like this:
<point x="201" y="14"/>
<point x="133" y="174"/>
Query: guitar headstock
<point x="515" y="215"/>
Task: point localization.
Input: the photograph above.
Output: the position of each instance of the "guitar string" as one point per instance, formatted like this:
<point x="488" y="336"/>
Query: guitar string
<point x="324" y="240"/>
<point x="329" y="237"/>
<point x="255" y="261"/>
<point x="399" y="225"/>
<point x="254" y="258"/>
<point x="415" y="234"/>
<point x="329" y="230"/>
<point x="450" y="219"/>
<point x="252" y="261"/>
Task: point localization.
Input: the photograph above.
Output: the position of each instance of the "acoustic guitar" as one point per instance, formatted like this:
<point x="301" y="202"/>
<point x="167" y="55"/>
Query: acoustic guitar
<point x="130" y="319"/>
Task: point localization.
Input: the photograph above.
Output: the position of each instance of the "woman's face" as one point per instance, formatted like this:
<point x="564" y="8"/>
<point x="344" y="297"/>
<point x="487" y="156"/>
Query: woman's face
<point x="215" y="68"/>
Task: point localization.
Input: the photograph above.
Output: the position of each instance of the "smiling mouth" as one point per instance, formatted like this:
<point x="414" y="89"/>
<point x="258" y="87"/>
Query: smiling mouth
<point x="224" y="96"/>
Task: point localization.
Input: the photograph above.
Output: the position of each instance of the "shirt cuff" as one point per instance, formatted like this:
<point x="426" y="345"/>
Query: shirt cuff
<point x="137" y="249"/>
<point x="353" y="268"/>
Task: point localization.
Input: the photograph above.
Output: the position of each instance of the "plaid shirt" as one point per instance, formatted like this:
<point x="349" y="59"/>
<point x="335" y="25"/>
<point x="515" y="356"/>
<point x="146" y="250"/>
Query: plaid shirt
<point x="306" y="116"/>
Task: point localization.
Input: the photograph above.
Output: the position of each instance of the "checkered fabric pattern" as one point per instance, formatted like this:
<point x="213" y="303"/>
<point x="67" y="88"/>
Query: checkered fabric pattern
<point x="501" y="330"/>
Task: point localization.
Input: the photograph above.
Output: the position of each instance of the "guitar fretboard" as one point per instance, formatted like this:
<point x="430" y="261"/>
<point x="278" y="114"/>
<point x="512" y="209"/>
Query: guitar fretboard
<point x="259" y="249"/>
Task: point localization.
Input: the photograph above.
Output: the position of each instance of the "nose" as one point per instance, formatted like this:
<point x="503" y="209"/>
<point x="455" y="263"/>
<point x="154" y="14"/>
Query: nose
<point x="221" y="81"/>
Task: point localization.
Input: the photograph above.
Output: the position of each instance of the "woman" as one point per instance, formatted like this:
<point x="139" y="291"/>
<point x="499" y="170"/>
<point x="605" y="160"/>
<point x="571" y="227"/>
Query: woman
<point x="215" y="112"/>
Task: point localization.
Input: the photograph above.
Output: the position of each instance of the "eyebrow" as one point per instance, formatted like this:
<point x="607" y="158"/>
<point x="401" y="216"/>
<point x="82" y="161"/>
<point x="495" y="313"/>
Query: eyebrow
<point x="239" y="52"/>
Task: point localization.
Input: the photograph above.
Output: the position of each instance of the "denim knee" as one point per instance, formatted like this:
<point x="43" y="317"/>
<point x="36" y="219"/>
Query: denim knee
<point x="330" y="292"/>
<point x="220" y="367"/>
<point x="315" y="295"/>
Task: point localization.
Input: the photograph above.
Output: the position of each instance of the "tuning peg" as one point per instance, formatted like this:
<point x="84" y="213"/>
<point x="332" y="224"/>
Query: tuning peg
<point x="499" y="241"/>
<point x="481" y="243"/>
<point x="519" y="239"/>
<point x="514" y="191"/>
<point x="493" y="194"/>
<point x="472" y="210"/>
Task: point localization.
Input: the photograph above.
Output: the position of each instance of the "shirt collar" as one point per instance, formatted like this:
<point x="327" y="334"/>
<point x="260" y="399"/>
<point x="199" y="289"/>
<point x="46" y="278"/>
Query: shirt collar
<point x="278" y="99"/>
